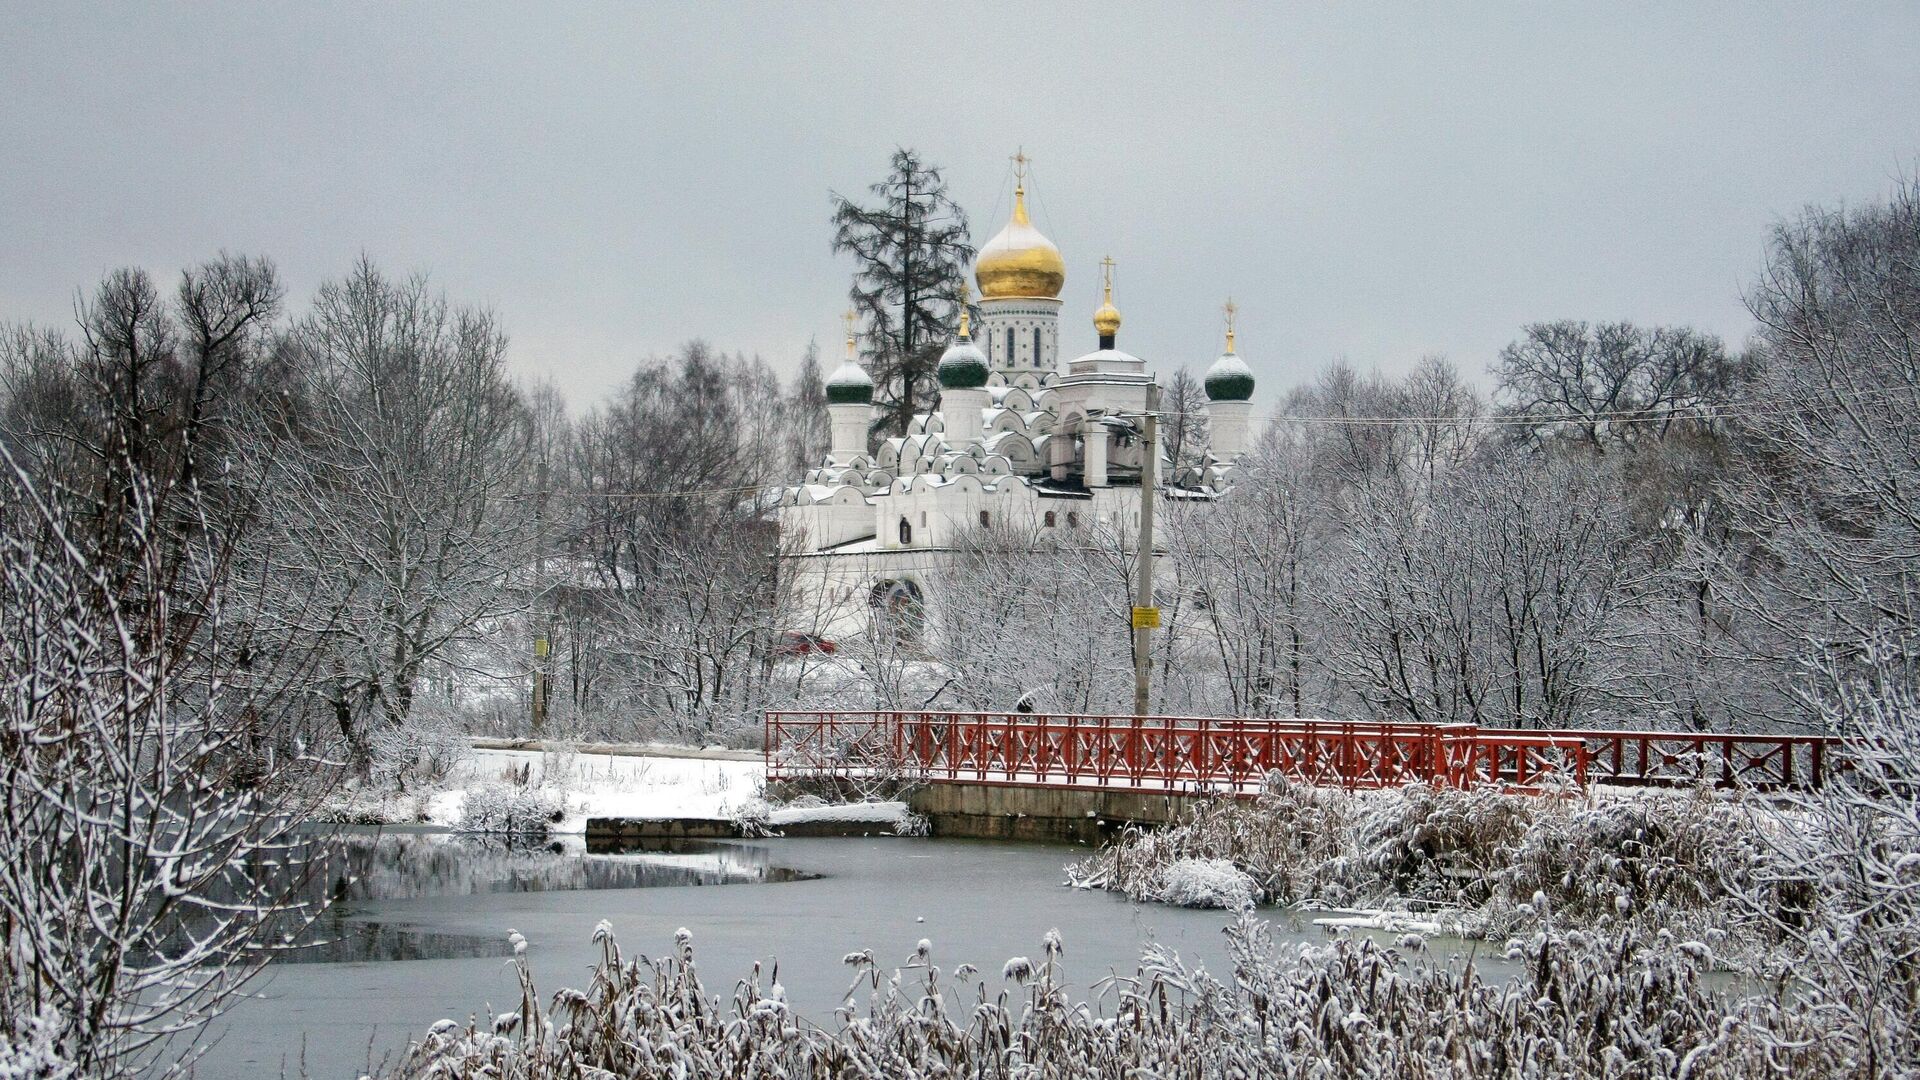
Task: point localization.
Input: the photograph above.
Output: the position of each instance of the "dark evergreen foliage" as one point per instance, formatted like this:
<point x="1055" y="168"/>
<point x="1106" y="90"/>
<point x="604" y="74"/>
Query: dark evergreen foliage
<point x="912" y="250"/>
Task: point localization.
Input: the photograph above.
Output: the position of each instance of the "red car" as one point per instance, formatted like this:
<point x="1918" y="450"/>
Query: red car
<point x="795" y="643"/>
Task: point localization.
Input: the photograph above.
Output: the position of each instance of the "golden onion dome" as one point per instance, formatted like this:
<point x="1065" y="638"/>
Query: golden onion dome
<point x="1019" y="261"/>
<point x="1106" y="320"/>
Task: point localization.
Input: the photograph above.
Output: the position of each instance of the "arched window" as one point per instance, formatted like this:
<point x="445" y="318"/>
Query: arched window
<point x="1073" y="520"/>
<point x="1009" y="346"/>
<point x="986" y="519"/>
<point x="1049" y="519"/>
<point x="898" y="611"/>
<point x="1036" y="346"/>
<point x="906" y="532"/>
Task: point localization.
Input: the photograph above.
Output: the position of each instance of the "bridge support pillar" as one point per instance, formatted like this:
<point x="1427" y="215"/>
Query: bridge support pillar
<point x="1059" y="814"/>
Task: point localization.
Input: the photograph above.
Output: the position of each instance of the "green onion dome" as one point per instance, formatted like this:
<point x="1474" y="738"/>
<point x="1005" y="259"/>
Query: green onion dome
<point x="1229" y="379"/>
<point x="963" y="366"/>
<point x="849" y="384"/>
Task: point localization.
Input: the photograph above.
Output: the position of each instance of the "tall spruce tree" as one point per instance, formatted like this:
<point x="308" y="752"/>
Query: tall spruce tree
<point x="912" y="250"/>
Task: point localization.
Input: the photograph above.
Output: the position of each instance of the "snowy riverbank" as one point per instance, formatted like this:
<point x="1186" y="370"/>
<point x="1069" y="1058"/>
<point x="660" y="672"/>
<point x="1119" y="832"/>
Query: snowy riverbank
<point x="657" y="784"/>
<point x="607" y="782"/>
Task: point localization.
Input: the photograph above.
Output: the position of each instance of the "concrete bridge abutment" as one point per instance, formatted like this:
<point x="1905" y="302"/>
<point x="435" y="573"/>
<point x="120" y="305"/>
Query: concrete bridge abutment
<point x="1089" y="815"/>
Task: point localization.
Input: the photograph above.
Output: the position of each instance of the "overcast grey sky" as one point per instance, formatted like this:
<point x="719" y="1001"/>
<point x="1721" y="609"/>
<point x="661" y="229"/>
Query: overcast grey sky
<point x="1367" y="183"/>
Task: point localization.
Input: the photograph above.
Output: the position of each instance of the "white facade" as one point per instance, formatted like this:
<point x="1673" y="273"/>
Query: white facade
<point x="1021" y="337"/>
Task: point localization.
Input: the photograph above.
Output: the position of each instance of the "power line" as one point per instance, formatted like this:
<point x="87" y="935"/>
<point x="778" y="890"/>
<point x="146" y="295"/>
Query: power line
<point x="692" y="493"/>
<point x="1756" y="408"/>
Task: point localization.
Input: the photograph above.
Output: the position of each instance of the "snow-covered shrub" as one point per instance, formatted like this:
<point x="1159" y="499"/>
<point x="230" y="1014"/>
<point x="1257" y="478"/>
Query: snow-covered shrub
<point x="502" y="808"/>
<point x="1204" y="883"/>
<point x="1841" y="885"/>
<point x="32" y="1053"/>
<point x="752" y="818"/>
<point x="1432" y="843"/>
<point x="415" y="755"/>
<point x="1295" y="842"/>
<point x="1667" y="861"/>
<point x="1478" y="856"/>
<point x="1583" y="1005"/>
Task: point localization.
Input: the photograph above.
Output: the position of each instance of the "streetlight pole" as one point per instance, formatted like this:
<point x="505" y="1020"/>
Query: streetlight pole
<point x="1145" y="615"/>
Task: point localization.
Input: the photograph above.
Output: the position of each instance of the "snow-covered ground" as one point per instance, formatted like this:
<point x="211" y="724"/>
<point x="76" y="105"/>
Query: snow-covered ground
<point x="867" y="813"/>
<point x="585" y="785"/>
<point x="609" y="785"/>
<point x="660" y="782"/>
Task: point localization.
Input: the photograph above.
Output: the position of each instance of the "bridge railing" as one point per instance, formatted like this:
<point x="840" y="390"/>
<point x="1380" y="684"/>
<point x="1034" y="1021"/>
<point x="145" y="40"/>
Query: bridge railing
<point x="1158" y="753"/>
<point x="1687" y="759"/>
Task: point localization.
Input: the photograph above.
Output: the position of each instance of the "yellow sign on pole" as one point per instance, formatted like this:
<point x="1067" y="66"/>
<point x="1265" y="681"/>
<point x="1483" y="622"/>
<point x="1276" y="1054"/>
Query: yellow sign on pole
<point x="1146" y="618"/>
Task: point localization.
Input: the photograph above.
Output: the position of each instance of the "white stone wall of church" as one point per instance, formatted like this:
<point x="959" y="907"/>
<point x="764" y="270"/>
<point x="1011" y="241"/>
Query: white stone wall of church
<point x="831" y="591"/>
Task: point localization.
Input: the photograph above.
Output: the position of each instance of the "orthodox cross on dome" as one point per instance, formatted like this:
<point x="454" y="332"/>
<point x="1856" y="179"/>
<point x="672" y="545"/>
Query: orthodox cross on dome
<point x="1020" y="160"/>
<point x="966" y="313"/>
<point x="1231" y="310"/>
<point x="848" y="319"/>
<point x="1107" y="320"/>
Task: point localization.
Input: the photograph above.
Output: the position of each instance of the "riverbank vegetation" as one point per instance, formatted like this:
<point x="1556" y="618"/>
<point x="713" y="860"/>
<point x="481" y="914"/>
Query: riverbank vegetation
<point x="1476" y="862"/>
<point x="1616" y="1005"/>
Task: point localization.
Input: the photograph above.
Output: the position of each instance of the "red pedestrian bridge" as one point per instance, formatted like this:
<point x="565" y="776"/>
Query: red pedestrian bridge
<point x="1190" y="755"/>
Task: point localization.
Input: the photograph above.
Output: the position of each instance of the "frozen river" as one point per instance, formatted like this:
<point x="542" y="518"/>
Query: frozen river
<point x="422" y="936"/>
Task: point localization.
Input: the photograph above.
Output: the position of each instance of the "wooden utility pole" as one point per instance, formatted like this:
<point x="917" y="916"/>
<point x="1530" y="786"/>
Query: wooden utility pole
<point x="1145" y="615"/>
<point x="537" y="611"/>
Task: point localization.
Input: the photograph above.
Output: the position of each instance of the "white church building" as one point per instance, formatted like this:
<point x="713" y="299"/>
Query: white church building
<point x="1016" y="439"/>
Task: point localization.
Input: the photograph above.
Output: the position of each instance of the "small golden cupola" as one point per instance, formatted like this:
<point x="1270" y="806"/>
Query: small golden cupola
<point x="1019" y="261"/>
<point x="1106" y="320"/>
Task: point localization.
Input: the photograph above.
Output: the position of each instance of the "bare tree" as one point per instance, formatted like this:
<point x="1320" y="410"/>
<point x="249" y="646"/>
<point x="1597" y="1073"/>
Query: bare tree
<point x="1443" y="415"/>
<point x="805" y="416"/>
<point x="1827" y="552"/>
<point x="394" y="495"/>
<point x="1245" y="562"/>
<point x="1024" y="609"/>
<point x="1613" y="384"/>
<point x="1184" y="431"/>
<point x="1503" y="600"/>
<point x="149" y="856"/>
<point x="669" y="513"/>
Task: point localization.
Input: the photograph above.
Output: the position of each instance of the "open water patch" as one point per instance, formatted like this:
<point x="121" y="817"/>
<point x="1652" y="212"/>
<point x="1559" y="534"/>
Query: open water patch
<point x="370" y="869"/>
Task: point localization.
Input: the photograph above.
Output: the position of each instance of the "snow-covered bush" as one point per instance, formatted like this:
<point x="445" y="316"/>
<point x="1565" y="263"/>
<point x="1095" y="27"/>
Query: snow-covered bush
<point x="1295" y="842"/>
<point x="1203" y="883"/>
<point x="31" y="1053"/>
<point x="1479" y="857"/>
<point x="752" y="818"/>
<point x="1625" y="1005"/>
<point x="418" y="754"/>
<point x="502" y="808"/>
<point x="1841" y="886"/>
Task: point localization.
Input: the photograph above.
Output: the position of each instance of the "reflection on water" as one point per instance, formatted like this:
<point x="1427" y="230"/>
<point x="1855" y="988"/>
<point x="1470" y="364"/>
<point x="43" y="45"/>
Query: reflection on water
<point x="374" y="867"/>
